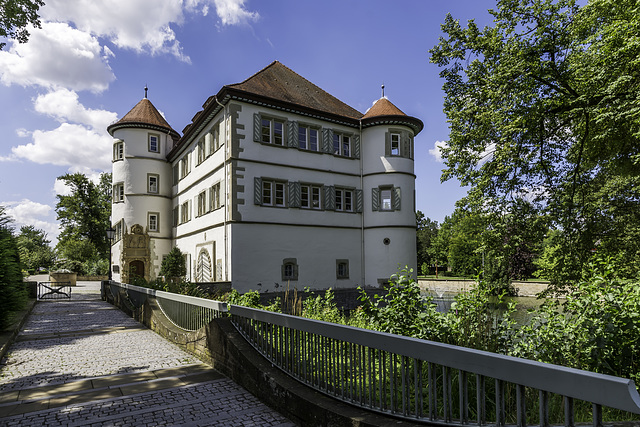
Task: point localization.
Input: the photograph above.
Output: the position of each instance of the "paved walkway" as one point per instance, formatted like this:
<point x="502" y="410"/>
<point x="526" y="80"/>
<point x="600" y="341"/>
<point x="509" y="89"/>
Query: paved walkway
<point x="83" y="362"/>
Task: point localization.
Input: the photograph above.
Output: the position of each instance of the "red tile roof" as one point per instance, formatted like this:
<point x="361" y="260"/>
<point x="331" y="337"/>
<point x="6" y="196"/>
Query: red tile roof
<point x="383" y="107"/>
<point x="144" y="113"/>
<point x="279" y="82"/>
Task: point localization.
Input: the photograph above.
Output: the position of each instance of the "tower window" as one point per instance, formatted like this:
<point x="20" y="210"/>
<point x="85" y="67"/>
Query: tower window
<point x="154" y="143"/>
<point x="118" y="151"/>
<point x="289" y="269"/>
<point x="342" y="269"/>
<point x="118" y="193"/>
<point x="153" y="222"/>
<point x="153" y="181"/>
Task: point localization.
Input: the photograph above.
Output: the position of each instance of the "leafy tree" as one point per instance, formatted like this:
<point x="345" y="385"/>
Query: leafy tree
<point x="84" y="217"/>
<point x="15" y="15"/>
<point x="545" y="104"/>
<point x="12" y="290"/>
<point x="173" y="266"/>
<point x="35" y="251"/>
<point x="425" y="234"/>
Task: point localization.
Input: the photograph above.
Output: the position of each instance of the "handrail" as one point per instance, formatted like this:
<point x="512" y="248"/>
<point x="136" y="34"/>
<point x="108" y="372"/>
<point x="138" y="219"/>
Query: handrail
<point x="606" y="390"/>
<point x="201" y="302"/>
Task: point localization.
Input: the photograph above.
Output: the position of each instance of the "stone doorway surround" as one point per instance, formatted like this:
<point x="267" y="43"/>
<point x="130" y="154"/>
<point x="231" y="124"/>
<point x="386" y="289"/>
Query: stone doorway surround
<point x="135" y="253"/>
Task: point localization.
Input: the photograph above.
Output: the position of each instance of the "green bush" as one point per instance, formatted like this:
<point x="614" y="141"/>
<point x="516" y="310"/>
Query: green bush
<point x="13" y="295"/>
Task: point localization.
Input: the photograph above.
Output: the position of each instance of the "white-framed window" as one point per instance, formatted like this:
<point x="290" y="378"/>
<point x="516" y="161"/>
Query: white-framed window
<point x="154" y="143"/>
<point x="342" y="269"/>
<point x="399" y="143"/>
<point x="153" y="221"/>
<point x="202" y="203"/>
<point x="153" y="183"/>
<point x="344" y="200"/>
<point x="214" y="197"/>
<point x="118" y="227"/>
<point x="310" y="196"/>
<point x="385" y="199"/>
<point x="118" y="193"/>
<point x="215" y="138"/>
<point x="308" y="138"/>
<point x="395" y="144"/>
<point x="341" y="144"/>
<point x="184" y="166"/>
<point x="272" y="131"/>
<point x="118" y="150"/>
<point x="185" y="212"/>
<point x="273" y="193"/>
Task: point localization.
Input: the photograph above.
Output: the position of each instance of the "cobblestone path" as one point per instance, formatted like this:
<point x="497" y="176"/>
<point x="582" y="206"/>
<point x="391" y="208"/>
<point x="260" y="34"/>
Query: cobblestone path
<point x="83" y="362"/>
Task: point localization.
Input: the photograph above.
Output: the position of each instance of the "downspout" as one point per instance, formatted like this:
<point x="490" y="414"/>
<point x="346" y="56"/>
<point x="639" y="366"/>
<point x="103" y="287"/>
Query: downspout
<point x="362" y="257"/>
<point x="226" y="190"/>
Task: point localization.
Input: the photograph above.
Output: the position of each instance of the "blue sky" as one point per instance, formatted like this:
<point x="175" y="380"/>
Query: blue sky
<point x="89" y="63"/>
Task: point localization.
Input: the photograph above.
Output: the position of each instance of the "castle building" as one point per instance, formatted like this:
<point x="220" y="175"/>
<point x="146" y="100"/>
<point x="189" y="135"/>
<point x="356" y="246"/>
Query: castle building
<point x="275" y="182"/>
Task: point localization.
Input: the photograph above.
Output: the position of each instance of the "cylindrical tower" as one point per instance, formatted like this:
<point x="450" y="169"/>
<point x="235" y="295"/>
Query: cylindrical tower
<point x="388" y="184"/>
<point x="142" y="180"/>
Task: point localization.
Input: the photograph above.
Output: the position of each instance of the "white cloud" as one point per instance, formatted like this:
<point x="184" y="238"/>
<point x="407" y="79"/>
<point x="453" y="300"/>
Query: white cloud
<point x="436" y="151"/>
<point x="57" y="56"/>
<point x="60" y="188"/>
<point x="68" y="145"/>
<point x="63" y="105"/>
<point x="141" y="25"/>
<point x="233" y="12"/>
<point x="28" y="212"/>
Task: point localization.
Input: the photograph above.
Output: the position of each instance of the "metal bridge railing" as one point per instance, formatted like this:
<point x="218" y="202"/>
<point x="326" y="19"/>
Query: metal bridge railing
<point x="186" y="312"/>
<point x="428" y="381"/>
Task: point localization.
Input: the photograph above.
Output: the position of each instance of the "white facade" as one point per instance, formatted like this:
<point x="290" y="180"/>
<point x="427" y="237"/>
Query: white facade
<point x="254" y="194"/>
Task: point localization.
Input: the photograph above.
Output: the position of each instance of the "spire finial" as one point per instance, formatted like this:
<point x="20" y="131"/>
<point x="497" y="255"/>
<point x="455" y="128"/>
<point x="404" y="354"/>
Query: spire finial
<point x="146" y="89"/>
<point x="382" y="90"/>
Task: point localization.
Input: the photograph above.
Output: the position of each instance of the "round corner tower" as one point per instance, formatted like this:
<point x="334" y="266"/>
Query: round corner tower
<point x="389" y="190"/>
<point x="141" y="203"/>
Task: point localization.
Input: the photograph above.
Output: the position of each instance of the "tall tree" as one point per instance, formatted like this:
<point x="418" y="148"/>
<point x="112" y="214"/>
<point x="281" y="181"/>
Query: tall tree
<point x="84" y="217"/>
<point x="545" y="105"/>
<point x="15" y="16"/>
<point x="35" y="251"/>
<point x="425" y="234"/>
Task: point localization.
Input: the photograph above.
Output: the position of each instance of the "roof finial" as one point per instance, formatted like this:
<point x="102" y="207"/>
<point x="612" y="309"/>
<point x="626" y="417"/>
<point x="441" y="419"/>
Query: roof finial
<point x="145" y="91"/>
<point x="383" y="90"/>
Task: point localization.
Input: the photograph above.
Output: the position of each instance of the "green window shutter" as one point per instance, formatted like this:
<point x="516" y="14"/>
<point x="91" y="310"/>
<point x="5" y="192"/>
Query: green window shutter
<point x="387" y="144"/>
<point x="294" y="194"/>
<point x="406" y="144"/>
<point x="257" y="127"/>
<point x="327" y="141"/>
<point x="396" y="198"/>
<point x="292" y="134"/>
<point x="359" y="201"/>
<point x="329" y="192"/>
<point x="257" y="191"/>
<point x="375" y="199"/>
<point x="356" y="146"/>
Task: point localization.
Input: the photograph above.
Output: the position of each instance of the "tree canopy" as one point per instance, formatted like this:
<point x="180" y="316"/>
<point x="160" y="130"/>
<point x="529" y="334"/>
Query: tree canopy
<point x="84" y="217"/>
<point x="15" y="16"/>
<point x="544" y="106"/>
<point x="35" y="251"/>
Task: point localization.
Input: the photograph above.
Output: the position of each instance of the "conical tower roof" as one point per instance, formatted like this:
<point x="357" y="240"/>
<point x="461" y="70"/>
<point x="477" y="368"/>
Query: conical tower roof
<point x="384" y="112"/>
<point x="144" y="115"/>
<point x="383" y="107"/>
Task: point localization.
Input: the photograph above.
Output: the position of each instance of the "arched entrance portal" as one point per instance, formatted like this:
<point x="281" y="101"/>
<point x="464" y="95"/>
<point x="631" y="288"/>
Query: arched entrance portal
<point x="136" y="269"/>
